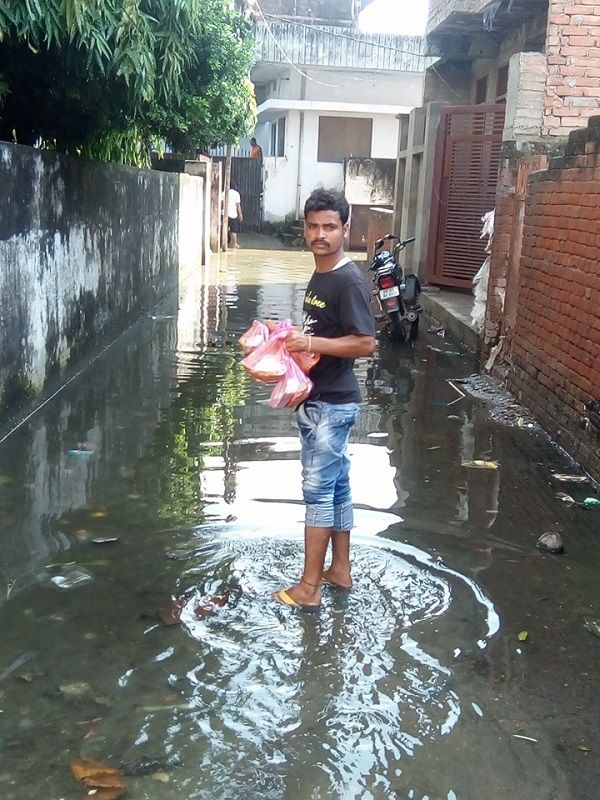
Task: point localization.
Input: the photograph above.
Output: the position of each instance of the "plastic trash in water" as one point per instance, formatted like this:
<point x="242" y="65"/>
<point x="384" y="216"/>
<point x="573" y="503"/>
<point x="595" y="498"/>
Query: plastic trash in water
<point x="591" y="502"/>
<point x="479" y="464"/>
<point x="76" y="452"/>
<point x="71" y="579"/>
<point x="559" y="476"/>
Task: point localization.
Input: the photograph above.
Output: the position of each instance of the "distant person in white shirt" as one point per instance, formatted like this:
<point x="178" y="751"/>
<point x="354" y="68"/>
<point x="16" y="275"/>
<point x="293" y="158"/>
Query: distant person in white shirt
<point x="234" y="214"/>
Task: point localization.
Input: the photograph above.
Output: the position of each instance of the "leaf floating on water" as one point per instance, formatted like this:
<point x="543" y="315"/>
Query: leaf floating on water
<point x="170" y="613"/>
<point x="559" y="476"/>
<point x="522" y="636"/>
<point x="98" y="514"/>
<point x="479" y="464"/>
<point x="100" y="780"/>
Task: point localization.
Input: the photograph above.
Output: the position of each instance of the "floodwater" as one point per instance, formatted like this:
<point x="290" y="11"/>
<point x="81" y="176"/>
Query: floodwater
<point x="161" y="472"/>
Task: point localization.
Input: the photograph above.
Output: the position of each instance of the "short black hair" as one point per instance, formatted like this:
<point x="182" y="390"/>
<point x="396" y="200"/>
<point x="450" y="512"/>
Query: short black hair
<point x="328" y="200"/>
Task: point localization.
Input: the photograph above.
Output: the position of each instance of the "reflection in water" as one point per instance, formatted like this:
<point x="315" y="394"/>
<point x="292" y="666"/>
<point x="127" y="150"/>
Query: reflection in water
<point x="171" y="454"/>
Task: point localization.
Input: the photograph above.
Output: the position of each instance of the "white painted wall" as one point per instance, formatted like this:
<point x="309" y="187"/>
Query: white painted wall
<point x="191" y="212"/>
<point x="349" y="86"/>
<point x="283" y="180"/>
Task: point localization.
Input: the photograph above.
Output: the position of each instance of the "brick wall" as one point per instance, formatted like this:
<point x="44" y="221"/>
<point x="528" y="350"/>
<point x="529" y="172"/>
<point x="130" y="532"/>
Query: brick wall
<point x="555" y="349"/>
<point x="572" y="47"/>
<point x="516" y="164"/>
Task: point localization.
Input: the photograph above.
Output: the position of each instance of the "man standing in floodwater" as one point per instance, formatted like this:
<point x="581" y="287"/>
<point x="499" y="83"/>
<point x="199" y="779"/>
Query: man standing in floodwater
<point x="338" y="325"/>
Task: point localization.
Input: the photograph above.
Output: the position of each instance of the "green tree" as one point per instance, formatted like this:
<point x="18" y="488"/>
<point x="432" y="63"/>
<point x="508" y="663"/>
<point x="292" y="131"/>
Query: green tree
<point x="106" y="77"/>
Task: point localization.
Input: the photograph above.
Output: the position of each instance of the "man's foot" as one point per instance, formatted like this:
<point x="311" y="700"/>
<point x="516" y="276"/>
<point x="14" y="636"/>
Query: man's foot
<point x="301" y="595"/>
<point x="339" y="578"/>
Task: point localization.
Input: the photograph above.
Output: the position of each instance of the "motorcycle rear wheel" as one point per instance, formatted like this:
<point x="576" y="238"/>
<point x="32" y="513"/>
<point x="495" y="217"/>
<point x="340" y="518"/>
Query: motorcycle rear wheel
<point x="398" y="331"/>
<point x="413" y="331"/>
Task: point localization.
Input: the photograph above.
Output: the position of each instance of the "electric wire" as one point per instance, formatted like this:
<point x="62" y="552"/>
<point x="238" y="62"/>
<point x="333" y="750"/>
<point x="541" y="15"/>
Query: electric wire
<point x="285" y="55"/>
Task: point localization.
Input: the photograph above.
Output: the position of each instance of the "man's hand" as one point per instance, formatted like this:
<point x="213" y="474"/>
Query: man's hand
<point x="297" y="342"/>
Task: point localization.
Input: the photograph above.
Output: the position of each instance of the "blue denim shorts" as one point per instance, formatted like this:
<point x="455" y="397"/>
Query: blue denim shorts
<point x="324" y="433"/>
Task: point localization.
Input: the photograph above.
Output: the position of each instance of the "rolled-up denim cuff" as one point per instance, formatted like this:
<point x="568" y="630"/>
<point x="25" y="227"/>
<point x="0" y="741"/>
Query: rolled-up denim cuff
<point x="343" y="516"/>
<point x="319" y="515"/>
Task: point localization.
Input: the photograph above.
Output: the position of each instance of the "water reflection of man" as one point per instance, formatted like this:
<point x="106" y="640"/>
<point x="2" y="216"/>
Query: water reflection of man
<point x="337" y="324"/>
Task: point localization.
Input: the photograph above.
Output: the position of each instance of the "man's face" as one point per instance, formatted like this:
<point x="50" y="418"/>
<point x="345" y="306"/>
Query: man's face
<point x="324" y="232"/>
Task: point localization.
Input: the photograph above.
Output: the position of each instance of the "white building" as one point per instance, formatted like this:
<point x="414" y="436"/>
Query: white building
<point x="326" y="93"/>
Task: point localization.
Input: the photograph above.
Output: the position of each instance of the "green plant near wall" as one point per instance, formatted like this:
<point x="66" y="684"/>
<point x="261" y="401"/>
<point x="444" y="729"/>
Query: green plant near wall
<point x="106" y="78"/>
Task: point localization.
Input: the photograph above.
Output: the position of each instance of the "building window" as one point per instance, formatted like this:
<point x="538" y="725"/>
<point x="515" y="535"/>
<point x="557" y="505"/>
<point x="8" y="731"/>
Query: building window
<point x="278" y="137"/>
<point x="344" y="137"/>
<point x="481" y="91"/>
<point x="502" y="84"/>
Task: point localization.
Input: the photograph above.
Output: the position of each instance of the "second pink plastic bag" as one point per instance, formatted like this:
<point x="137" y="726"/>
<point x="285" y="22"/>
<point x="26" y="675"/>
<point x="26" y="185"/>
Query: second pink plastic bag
<point x="292" y="389"/>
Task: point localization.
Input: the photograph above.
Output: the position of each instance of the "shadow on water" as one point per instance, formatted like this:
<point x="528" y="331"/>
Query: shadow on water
<point x="163" y="472"/>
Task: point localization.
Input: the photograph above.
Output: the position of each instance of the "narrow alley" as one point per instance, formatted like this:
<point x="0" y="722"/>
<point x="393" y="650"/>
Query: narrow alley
<point x="458" y="668"/>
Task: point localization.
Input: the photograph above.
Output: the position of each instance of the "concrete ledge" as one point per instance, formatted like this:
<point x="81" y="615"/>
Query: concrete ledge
<point x="453" y="312"/>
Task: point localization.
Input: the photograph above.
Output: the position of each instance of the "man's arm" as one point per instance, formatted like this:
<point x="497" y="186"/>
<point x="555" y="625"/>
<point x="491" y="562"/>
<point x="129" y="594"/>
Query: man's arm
<point x="353" y="346"/>
<point x="239" y="212"/>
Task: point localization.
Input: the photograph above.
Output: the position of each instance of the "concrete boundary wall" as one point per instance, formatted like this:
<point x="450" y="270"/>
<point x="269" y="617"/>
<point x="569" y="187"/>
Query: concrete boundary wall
<point x="85" y="248"/>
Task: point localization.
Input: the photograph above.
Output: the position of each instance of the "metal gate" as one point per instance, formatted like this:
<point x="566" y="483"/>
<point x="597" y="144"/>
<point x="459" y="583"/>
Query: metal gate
<point x="465" y="179"/>
<point x="247" y="174"/>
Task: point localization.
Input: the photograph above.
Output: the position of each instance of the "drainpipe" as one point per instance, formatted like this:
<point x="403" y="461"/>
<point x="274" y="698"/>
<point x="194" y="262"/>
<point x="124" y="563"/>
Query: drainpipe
<point x="300" y="151"/>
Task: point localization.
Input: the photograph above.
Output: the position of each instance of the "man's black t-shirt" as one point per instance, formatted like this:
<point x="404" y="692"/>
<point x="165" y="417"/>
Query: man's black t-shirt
<point x="337" y="303"/>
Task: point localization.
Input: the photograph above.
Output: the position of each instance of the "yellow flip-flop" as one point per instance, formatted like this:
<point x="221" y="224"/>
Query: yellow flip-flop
<point x="284" y="598"/>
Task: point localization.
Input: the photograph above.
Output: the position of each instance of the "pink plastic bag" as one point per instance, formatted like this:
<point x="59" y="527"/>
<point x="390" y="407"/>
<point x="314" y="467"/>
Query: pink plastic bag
<point x="292" y="389"/>
<point x="257" y="334"/>
<point x="268" y="363"/>
<point x="305" y="360"/>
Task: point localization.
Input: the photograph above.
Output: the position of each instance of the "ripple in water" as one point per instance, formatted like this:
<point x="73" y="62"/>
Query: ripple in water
<point x="288" y="705"/>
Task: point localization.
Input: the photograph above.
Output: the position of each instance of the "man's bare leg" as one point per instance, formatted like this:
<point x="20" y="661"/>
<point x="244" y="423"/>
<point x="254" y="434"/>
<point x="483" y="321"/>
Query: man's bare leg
<point x="308" y="591"/>
<point x="339" y="569"/>
<point x="234" y="241"/>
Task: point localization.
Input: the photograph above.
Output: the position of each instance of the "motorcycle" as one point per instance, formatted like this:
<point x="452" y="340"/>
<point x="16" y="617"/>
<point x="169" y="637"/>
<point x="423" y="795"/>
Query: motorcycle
<point x="397" y="292"/>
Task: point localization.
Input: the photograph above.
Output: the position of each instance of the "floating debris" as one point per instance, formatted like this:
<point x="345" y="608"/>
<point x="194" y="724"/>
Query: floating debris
<point x="71" y="579"/>
<point x="559" y="476"/>
<point x="591" y="502"/>
<point x="522" y="636"/>
<point x="18" y="662"/>
<point x="75" y="452"/>
<point x="105" y="540"/>
<point x="479" y="464"/>
<point x="551" y="543"/>
<point x="526" y="738"/>
<point x="593" y="626"/>
<point x="99" y="779"/>
<point x="75" y="691"/>
<point x="566" y="499"/>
